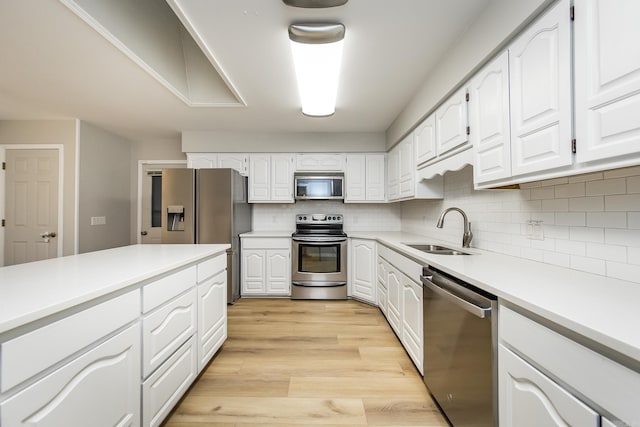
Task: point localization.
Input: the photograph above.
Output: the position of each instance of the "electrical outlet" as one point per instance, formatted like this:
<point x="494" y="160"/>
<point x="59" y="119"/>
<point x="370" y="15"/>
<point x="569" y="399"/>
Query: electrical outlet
<point x="535" y="230"/>
<point x="98" y="220"/>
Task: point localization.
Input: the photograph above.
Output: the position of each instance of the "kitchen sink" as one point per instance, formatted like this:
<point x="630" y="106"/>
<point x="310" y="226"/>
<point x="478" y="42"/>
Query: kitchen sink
<point x="436" y="249"/>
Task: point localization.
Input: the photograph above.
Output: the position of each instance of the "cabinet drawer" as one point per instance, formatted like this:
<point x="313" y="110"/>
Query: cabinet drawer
<point x="266" y="243"/>
<point x="404" y="264"/>
<point x="31" y="353"/>
<point x="166" y="329"/>
<point x="162" y="390"/>
<point x="605" y="383"/>
<point x="99" y="388"/>
<point x="162" y="290"/>
<point x="211" y="267"/>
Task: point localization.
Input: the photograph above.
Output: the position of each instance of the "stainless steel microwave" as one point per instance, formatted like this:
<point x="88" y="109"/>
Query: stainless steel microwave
<point x="319" y="186"/>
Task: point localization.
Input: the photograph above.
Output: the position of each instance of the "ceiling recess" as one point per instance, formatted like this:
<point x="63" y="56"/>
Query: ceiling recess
<point x="317" y="4"/>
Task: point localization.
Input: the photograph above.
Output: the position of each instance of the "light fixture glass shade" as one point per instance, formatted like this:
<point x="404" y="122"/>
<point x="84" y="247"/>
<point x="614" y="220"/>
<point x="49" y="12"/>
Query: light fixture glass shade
<point x="317" y="64"/>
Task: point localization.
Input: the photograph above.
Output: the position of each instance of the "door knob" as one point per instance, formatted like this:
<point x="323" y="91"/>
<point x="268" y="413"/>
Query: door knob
<point x="144" y="233"/>
<point x="47" y="235"/>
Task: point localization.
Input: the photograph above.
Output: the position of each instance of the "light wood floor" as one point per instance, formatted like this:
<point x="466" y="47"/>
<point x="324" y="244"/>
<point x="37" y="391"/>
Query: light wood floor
<point x="298" y="363"/>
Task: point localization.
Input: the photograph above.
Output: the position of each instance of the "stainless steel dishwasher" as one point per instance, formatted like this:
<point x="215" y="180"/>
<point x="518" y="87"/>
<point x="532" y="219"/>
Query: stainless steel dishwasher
<point x="460" y="349"/>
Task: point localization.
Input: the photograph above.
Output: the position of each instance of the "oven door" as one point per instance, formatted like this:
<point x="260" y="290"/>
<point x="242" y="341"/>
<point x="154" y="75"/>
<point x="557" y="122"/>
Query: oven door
<point x="321" y="262"/>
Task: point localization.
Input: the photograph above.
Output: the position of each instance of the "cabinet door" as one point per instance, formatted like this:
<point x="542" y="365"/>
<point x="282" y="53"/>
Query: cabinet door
<point x="451" y="123"/>
<point x="99" y="388"/>
<point x="282" y="178"/>
<point x="540" y="78"/>
<point x="407" y="167"/>
<point x="278" y="278"/>
<point x="356" y="178"/>
<point x="253" y="271"/>
<point x="425" y="140"/>
<point x="259" y="177"/>
<point x="394" y="302"/>
<point x="607" y="79"/>
<point x="489" y="118"/>
<point x="529" y="398"/>
<point x="375" y="177"/>
<point x="202" y="160"/>
<point x="320" y="162"/>
<point x="212" y="317"/>
<point x="235" y="161"/>
<point x="393" y="173"/>
<point x="363" y="270"/>
<point x="412" y="320"/>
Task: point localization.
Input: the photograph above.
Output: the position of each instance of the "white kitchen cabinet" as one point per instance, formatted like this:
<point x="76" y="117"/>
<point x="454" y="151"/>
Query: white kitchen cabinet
<point x="382" y="295"/>
<point x="598" y="382"/>
<point x="411" y="316"/>
<point x="528" y="397"/>
<point x="266" y="266"/>
<point x="489" y="119"/>
<point x="101" y="387"/>
<point x="540" y="94"/>
<point x="237" y="161"/>
<point x="403" y="183"/>
<point x="271" y="178"/>
<point x="212" y="319"/>
<point x="394" y="301"/>
<point x="607" y="82"/>
<point x="425" y="140"/>
<point x="407" y="170"/>
<point x="321" y="162"/>
<point x="164" y="388"/>
<point x="362" y="269"/>
<point x="365" y="178"/>
<point x="393" y="173"/>
<point x="451" y="123"/>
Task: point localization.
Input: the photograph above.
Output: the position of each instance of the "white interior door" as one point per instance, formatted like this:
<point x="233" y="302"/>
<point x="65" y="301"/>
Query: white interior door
<point x="151" y="201"/>
<point x="31" y="205"/>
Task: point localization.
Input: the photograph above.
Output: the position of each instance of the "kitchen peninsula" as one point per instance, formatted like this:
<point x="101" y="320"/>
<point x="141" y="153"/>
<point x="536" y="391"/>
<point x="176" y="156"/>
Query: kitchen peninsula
<point x="81" y="335"/>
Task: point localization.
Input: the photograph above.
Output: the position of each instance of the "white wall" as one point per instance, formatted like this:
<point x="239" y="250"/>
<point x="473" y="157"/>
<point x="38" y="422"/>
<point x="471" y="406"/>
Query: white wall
<point x="499" y="22"/>
<point x="357" y="217"/>
<point x="591" y="222"/>
<point x="104" y="189"/>
<point x="289" y="142"/>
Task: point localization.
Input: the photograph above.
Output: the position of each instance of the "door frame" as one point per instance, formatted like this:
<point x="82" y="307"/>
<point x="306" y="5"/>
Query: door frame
<point x="141" y="165"/>
<point x="3" y="157"/>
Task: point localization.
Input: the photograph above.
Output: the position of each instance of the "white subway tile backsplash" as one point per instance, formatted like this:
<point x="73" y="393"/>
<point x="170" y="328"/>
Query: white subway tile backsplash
<point x="586" y="204"/>
<point x="622" y="203"/>
<point x="570" y="190"/>
<point x="607" y="219"/>
<point x="590" y="222"/>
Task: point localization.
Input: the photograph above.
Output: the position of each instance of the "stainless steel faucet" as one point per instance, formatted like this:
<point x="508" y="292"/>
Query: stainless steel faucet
<point x="467" y="235"/>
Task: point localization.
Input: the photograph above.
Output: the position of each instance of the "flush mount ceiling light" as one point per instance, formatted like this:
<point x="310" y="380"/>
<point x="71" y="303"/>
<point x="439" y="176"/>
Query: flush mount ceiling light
<point x="314" y="3"/>
<point x="317" y="55"/>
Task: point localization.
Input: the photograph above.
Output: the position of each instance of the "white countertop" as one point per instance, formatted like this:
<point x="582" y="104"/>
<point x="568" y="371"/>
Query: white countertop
<point x="34" y="290"/>
<point x="599" y="308"/>
<point x="267" y="234"/>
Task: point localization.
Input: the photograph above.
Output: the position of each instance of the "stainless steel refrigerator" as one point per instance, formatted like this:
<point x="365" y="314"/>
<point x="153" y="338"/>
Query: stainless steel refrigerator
<point x="207" y="206"/>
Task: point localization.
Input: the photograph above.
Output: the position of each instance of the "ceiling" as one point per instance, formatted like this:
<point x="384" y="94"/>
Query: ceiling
<point x="55" y="65"/>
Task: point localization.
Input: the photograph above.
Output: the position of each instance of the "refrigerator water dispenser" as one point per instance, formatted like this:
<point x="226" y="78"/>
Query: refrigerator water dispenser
<point x="175" y="218"/>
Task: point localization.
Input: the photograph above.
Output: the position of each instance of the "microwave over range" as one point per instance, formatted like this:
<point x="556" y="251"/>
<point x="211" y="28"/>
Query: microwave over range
<point x="319" y="186"/>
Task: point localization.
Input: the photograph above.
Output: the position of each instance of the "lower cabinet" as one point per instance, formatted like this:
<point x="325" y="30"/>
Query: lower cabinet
<point x="212" y="317"/>
<point x="266" y="266"/>
<point x="412" y="336"/>
<point x="99" y="388"/>
<point x="362" y="270"/>
<point x="382" y="294"/>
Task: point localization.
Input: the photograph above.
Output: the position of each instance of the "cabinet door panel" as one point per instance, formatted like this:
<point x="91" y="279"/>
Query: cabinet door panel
<point x="363" y="272"/>
<point x="202" y="160"/>
<point x="375" y="177"/>
<point x="393" y="173"/>
<point x="278" y="272"/>
<point x="451" y="123"/>
<point x="212" y="325"/>
<point x="356" y="177"/>
<point x="394" y="307"/>
<point x="489" y="117"/>
<point x="425" y="140"/>
<point x="253" y="271"/>
<point x="282" y="178"/>
<point x="529" y="398"/>
<point x="607" y="79"/>
<point x="412" y="320"/>
<point x="540" y="77"/>
<point x="99" y="388"/>
<point x="259" y="178"/>
<point x="234" y="161"/>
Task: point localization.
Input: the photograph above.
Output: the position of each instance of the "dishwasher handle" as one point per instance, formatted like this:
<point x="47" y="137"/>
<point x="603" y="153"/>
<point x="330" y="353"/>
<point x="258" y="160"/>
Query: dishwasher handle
<point x="481" y="312"/>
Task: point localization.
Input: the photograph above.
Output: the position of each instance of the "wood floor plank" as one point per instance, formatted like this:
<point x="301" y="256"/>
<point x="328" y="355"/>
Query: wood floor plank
<point x="299" y="363"/>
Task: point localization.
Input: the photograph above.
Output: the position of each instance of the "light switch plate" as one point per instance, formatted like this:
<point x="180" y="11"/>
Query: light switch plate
<point x="535" y="230"/>
<point x="98" y="220"/>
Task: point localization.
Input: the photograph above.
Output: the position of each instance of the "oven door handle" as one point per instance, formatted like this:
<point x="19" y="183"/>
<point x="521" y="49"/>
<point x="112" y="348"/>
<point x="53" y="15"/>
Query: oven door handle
<point x="321" y="241"/>
<point x="477" y="311"/>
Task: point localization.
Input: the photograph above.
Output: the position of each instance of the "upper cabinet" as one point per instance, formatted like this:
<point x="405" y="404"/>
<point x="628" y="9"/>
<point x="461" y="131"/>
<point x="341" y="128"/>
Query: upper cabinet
<point x="489" y="119"/>
<point x="364" y="178"/>
<point x="237" y="161"/>
<point x="607" y="81"/>
<point x="403" y="181"/>
<point x="271" y="178"/>
<point x="540" y="85"/>
<point x="320" y="162"/>
<point x="451" y="123"/>
<point x="425" y="139"/>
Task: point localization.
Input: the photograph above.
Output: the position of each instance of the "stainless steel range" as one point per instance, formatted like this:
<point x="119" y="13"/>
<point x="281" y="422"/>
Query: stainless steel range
<point x="319" y="265"/>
